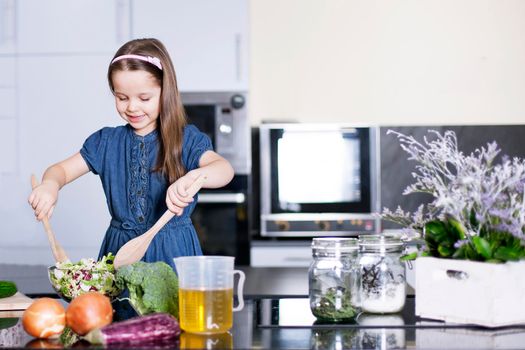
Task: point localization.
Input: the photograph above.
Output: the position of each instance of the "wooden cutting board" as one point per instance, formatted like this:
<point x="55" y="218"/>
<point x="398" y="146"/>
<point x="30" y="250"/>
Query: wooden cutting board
<point x="18" y="301"/>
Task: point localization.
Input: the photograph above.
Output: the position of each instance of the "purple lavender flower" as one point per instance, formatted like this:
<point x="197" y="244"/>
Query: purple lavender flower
<point x="463" y="184"/>
<point x="461" y="243"/>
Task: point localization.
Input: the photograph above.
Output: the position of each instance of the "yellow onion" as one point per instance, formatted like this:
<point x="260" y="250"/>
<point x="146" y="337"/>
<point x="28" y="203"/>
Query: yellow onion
<point x="89" y="311"/>
<point x="44" y="318"/>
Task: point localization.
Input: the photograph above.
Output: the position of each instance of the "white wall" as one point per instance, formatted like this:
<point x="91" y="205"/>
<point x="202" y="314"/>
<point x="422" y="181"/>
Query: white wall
<point x="388" y="61"/>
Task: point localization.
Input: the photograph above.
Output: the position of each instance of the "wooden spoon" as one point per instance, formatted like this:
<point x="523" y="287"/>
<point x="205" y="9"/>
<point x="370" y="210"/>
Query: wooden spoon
<point x="58" y="251"/>
<point x="135" y="249"/>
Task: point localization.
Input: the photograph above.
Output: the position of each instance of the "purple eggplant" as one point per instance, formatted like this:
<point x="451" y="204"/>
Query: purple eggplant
<point x="148" y="329"/>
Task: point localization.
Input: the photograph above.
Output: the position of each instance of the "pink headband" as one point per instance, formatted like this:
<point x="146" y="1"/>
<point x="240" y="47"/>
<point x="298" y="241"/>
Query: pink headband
<point x="153" y="60"/>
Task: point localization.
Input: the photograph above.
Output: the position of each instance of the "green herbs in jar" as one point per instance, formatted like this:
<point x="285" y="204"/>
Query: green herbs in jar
<point x="334" y="305"/>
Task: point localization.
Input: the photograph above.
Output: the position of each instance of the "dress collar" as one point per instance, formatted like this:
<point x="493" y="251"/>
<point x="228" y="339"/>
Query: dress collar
<point x="152" y="136"/>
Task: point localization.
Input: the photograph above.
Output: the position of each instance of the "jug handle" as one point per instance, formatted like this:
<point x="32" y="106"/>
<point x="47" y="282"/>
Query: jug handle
<point x="240" y="287"/>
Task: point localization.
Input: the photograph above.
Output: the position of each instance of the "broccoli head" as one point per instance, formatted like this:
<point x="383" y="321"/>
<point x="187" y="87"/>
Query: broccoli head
<point x="153" y="287"/>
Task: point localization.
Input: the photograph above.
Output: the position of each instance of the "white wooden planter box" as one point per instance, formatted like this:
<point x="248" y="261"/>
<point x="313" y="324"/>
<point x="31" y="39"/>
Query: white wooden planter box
<point x="463" y="291"/>
<point x="459" y="338"/>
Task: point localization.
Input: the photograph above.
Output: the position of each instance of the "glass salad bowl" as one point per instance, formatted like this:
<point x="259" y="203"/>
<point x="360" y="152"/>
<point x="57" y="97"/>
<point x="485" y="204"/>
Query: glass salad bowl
<point x="70" y="280"/>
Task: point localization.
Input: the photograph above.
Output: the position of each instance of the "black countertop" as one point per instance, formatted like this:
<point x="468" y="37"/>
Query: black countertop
<point x="271" y="320"/>
<point x="260" y="281"/>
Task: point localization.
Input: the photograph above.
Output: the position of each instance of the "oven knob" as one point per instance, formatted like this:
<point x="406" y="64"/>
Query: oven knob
<point x="324" y="225"/>
<point x="237" y="101"/>
<point x="283" y="225"/>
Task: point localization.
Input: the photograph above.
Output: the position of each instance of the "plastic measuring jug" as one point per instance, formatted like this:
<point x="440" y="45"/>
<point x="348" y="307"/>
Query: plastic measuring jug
<point x="206" y="341"/>
<point x="206" y="293"/>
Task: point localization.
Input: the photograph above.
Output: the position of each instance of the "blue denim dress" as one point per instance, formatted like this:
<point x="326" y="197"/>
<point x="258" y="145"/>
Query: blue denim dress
<point x="136" y="196"/>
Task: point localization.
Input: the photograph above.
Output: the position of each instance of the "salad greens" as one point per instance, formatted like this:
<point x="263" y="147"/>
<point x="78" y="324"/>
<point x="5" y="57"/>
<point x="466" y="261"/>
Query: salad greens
<point x="72" y="279"/>
<point x="68" y="337"/>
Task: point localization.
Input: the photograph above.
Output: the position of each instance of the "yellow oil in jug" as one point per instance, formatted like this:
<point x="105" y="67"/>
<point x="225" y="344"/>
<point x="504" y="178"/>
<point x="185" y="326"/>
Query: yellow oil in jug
<point x="206" y="311"/>
<point x="206" y="341"/>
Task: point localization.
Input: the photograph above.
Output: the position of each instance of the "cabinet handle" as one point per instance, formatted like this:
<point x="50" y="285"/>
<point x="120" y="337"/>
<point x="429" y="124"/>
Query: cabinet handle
<point x="238" y="56"/>
<point x="122" y="21"/>
<point x="8" y="27"/>
<point x="226" y="198"/>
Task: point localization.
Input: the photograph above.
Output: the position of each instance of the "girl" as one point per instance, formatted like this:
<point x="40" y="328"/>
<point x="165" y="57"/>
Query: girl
<point x="146" y="165"/>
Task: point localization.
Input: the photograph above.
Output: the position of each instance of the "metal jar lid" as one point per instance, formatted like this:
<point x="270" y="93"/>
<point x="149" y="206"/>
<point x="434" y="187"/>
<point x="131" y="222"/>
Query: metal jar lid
<point x="334" y="245"/>
<point x="380" y="243"/>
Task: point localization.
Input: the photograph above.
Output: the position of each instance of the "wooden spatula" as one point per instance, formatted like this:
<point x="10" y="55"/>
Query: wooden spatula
<point x="58" y="251"/>
<point x="135" y="249"/>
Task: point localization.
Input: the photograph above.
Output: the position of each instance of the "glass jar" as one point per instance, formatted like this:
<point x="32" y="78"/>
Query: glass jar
<point x="381" y="331"/>
<point x="334" y="338"/>
<point x="332" y="279"/>
<point x="381" y="276"/>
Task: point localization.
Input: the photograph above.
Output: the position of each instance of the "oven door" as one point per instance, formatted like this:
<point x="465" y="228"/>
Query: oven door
<point x="203" y="117"/>
<point x="221" y="219"/>
<point x="318" y="170"/>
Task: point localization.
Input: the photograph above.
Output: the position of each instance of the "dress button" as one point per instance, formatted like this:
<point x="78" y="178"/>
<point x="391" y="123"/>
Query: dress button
<point x="141" y="219"/>
<point x="141" y="145"/>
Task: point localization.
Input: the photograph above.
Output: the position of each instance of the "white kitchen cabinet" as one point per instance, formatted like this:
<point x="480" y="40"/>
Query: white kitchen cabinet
<point x="7" y="27"/>
<point x="7" y="72"/>
<point x="8" y="143"/>
<point x="8" y="85"/>
<point x="8" y="98"/>
<point x="61" y="105"/>
<point x="207" y="40"/>
<point x="58" y="108"/>
<point x="65" y="26"/>
<point x="8" y="120"/>
<point x="280" y="254"/>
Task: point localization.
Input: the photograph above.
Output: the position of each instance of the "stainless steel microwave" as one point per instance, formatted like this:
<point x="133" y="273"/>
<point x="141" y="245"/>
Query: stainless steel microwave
<point x="318" y="179"/>
<point x="221" y="218"/>
<point x="223" y="117"/>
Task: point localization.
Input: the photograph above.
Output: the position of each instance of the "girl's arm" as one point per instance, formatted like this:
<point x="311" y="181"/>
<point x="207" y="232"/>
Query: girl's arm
<point x="43" y="198"/>
<point x="218" y="172"/>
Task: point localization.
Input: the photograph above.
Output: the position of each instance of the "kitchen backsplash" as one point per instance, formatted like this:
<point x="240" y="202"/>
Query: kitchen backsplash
<point x="396" y="169"/>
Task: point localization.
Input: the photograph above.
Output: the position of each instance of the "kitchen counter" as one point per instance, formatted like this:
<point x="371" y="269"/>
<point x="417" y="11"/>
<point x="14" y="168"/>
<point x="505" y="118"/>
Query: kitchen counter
<point x="260" y="281"/>
<point x="284" y="321"/>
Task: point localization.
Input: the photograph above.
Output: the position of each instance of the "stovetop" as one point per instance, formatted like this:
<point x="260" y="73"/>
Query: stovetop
<point x="295" y="313"/>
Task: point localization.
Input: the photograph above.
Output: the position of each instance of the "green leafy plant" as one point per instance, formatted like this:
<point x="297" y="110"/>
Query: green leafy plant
<point x="478" y="207"/>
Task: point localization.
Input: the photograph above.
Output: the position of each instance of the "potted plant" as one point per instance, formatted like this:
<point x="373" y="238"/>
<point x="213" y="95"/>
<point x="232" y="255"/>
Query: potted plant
<point x="471" y="267"/>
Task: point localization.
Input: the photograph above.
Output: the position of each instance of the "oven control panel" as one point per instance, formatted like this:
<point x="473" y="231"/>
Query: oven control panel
<point x="290" y="227"/>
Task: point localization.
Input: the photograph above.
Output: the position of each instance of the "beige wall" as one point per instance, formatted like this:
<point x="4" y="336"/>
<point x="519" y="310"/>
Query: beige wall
<point x="388" y="61"/>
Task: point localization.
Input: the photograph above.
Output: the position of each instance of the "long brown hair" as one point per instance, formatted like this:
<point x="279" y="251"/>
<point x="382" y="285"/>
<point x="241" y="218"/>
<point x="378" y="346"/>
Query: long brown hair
<point x="172" y="118"/>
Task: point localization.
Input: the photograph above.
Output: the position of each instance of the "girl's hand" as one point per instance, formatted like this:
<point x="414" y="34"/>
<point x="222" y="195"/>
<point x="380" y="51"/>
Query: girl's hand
<point x="177" y="197"/>
<point x="43" y="199"/>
